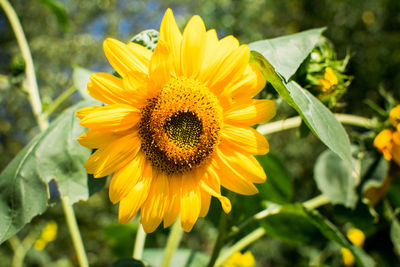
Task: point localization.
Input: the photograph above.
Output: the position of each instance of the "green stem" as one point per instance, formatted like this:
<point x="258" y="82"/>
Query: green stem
<point x="139" y="243"/>
<point x="316" y="202"/>
<point x="19" y="252"/>
<point x="241" y="244"/>
<point x="74" y="231"/>
<point x="59" y="100"/>
<point x="294" y="122"/>
<point x="174" y="239"/>
<point x="32" y="86"/>
<point x="219" y="243"/>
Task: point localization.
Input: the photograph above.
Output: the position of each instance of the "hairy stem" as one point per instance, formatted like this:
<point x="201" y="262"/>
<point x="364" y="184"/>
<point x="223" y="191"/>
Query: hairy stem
<point x="174" y="239"/>
<point x="139" y="243"/>
<point x="59" y="100"/>
<point x="31" y="83"/>
<point x="74" y="231"/>
<point x="287" y="124"/>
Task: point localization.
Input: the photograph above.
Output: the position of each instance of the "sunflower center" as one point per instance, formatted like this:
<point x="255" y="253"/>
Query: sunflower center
<point x="180" y="127"/>
<point x="184" y="128"/>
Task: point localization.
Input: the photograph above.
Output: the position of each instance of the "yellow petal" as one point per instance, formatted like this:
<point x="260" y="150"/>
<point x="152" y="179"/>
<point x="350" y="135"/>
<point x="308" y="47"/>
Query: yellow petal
<point x="171" y="37"/>
<point x="230" y="69"/>
<point x="190" y="202"/>
<point x="253" y="112"/>
<point x="154" y="207"/>
<point x="95" y="139"/>
<point x="216" y="53"/>
<point x="174" y="200"/>
<point x="193" y="46"/>
<point x="245" y="139"/>
<point x="111" y="118"/>
<point x="125" y="58"/>
<point x="114" y="156"/>
<point x="83" y="112"/>
<point x="230" y="178"/>
<point x="125" y="178"/>
<point x="108" y="89"/>
<point x="130" y="205"/>
<point x="244" y="164"/>
<point x="161" y="65"/>
<point x="205" y="203"/>
<point x="248" y="85"/>
<point x="140" y="87"/>
<point x="208" y="187"/>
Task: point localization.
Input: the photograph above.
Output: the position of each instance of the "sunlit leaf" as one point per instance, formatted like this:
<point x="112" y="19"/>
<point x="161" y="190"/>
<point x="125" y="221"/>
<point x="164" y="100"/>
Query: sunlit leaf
<point x="286" y="53"/>
<point x="278" y="187"/>
<point x="53" y="154"/>
<point x="336" y="179"/>
<point x="317" y="117"/>
<point x="80" y="77"/>
<point x="58" y="11"/>
<point x="147" y="38"/>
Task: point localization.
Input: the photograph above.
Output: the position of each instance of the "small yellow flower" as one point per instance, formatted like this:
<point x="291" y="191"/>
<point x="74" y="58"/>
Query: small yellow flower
<point x="329" y="81"/>
<point x="48" y="235"/>
<point x="357" y="237"/>
<point x="176" y="125"/>
<point x="241" y="260"/>
<point x="394" y="117"/>
<point x="388" y="141"/>
<point x="347" y="256"/>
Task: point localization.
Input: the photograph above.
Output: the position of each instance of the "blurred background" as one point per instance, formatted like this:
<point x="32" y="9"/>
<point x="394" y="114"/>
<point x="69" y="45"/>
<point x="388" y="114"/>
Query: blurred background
<point x="67" y="33"/>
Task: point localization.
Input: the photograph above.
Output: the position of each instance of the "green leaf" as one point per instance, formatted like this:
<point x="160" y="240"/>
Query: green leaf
<point x="395" y="234"/>
<point x="286" y="53"/>
<point x="335" y="179"/>
<point x="290" y="224"/>
<point x="147" y="38"/>
<point x="318" y="118"/>
<point x="181" y="257"/>
<point x="330" y="231"/>
<point x="58" y="11"/>
<point x="53" y="154"/>
<point x="296" y="224"/>
<point x="278" y="187"/>
<point x="80" y="77"/>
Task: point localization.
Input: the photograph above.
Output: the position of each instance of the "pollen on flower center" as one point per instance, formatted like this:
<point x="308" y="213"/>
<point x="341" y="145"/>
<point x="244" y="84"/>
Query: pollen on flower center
<point x="184" y="128"/>
<point x="180" y="127"/>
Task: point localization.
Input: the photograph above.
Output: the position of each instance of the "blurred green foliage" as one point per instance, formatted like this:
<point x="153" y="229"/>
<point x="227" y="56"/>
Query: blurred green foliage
<point x="67" y="33"/>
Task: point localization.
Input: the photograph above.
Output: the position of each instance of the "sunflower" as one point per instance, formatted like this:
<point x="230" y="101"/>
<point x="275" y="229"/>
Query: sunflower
<point x="388" y="140"/>
<point x="176" y="125"/>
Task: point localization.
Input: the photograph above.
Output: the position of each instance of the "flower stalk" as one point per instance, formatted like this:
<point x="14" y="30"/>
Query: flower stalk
<point x="31" y="82"/>
<point x="174" y="239"/>
<point x="74" y="231"/>
<point x="139" y="243"/>
<point x="287" y="124"/>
